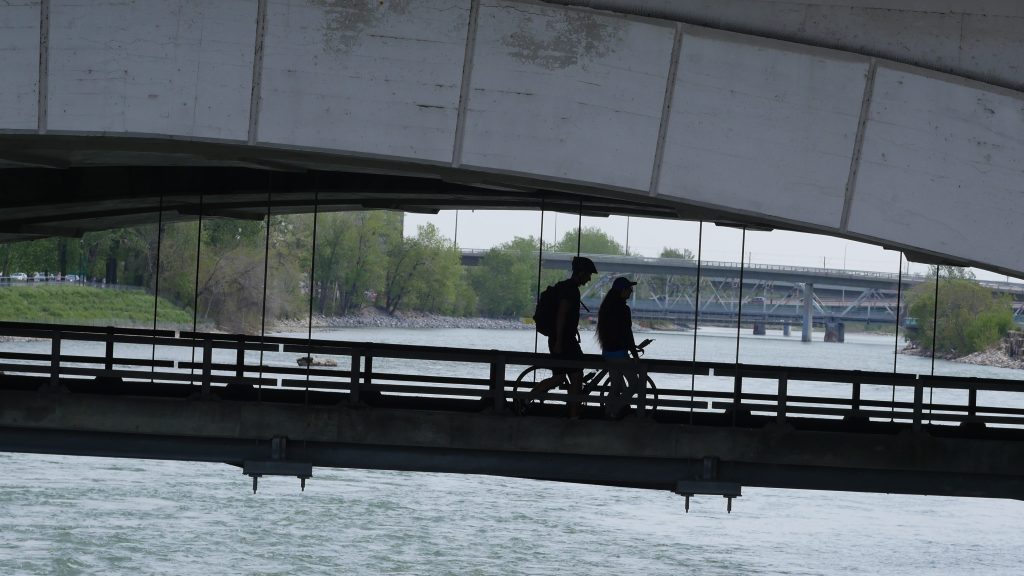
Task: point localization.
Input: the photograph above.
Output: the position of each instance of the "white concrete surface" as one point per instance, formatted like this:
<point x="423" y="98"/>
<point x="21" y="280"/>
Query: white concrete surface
<point x="942" y="166"/>
<point x="367" y="76"/>
<point x="981" y="39"/>
<point x="566" y="94"/>
<point x="572" y="99"/>
<point x="175" y="67"/>
<point x="763" y="126"/>
<point x="19" y="65"/>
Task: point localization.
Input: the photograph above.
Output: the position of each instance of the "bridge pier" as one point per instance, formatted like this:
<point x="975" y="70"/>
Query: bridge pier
<point x="808" y="296"/>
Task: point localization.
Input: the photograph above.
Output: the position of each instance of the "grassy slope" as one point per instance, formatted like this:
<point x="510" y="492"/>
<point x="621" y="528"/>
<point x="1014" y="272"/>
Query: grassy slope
<point x="66" y="304"/>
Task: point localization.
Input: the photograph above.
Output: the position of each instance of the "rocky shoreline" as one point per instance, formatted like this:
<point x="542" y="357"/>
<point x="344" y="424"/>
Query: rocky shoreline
<point x="996" y="357"/>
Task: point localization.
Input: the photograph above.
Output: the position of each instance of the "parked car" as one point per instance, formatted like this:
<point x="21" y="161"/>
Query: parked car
<point x="19" y="276"/>
<point x="71" y="278"/>
<point x="39" y="277"/>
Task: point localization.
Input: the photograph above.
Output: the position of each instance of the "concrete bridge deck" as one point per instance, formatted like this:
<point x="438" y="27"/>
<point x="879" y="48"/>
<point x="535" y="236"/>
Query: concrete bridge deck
<point x="708" y="438"/>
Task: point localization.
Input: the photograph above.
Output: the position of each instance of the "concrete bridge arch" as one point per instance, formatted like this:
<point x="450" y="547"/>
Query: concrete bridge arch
<point x="111" y="110"/>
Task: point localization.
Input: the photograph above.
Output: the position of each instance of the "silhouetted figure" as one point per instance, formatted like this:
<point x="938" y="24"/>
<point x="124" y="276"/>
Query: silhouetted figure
<point x="615" y="333"/>
<point x="564" y="341"/>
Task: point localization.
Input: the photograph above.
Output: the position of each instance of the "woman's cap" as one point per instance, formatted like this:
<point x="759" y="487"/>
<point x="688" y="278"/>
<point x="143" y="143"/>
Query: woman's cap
<point x="622" y="282"/>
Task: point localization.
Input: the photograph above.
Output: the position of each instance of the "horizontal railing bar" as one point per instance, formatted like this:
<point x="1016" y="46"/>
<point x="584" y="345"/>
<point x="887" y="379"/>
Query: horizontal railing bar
<point x="378" y="376"/>
<point x="668" y="403"/>
<point x="320" y="384"/>
<point x="432" y="390"/>
<point x="963" y="383"/>
<point x="118" y="361"/>
<point x="6" y="326"/>
<point x="131" y="374"/>
<point x="797" y="373"/>
<point x="899" y="415"/>
<point x="26" y="356"/>
<point x="198" y="364"/>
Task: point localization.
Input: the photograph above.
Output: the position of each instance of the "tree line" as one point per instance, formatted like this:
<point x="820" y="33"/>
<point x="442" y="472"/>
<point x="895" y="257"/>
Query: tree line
<point x="216" y="270"/>
<point x="363" y="259"/>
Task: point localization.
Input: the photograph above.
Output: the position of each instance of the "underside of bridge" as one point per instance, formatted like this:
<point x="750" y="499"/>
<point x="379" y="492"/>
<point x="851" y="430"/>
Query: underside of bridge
<point x="879" y="122"/>
<point x="462" y="437"/>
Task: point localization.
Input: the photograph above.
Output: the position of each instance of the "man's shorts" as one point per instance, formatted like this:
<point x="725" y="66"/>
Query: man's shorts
<point x="570" y="351"/>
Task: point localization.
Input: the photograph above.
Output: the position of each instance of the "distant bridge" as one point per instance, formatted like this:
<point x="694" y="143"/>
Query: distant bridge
<point x="770" y="292"/>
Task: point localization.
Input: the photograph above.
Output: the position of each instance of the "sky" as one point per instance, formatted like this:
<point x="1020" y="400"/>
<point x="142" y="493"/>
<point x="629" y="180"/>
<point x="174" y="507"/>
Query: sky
<point x="647" y="236"/>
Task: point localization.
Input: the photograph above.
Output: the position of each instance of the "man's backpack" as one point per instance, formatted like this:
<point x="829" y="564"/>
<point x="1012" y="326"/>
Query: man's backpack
<point x="545" y="316"/>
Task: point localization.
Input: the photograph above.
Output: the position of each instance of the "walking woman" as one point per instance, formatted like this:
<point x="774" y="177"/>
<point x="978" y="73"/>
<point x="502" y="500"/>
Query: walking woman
<point x="615" y="333"/>
<point x="615" y="322"/>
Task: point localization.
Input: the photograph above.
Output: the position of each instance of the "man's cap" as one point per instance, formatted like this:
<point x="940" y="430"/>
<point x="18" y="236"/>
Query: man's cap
<point x="622" y="282"/>
<point x="583" y="264"/>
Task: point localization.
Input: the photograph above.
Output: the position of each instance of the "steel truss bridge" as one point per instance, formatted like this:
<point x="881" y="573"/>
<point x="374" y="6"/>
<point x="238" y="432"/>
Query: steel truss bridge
<point x="710" y="428"/>
<point x="770" y="293"/>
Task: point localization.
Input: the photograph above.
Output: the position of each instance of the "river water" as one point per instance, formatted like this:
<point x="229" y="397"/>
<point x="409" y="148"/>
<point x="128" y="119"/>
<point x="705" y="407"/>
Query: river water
<point x="75" y="515"/>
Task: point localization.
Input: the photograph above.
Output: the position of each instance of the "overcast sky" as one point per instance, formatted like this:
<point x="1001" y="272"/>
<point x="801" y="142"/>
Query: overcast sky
<point x="647" y="236"/>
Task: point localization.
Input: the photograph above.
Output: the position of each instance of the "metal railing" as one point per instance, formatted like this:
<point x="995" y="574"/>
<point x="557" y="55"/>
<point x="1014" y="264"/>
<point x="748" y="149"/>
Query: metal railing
<point x="696" y="392"/>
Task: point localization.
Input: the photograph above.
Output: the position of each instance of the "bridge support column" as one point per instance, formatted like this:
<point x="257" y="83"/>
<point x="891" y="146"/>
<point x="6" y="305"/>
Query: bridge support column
<point x="808" y="297"/>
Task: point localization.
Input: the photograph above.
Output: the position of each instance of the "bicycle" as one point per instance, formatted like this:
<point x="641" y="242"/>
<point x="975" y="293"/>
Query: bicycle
<point x="613" y="394"/>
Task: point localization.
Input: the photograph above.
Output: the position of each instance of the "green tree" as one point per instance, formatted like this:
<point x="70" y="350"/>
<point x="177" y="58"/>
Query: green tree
<point x="439" y="284"/>
<point x="595" y="241"/>
<point x="231" y="271"/>
<point x="29" y="256"/>
<point x="970" y="317"/>
<point x="352" y="257"/>
<point x="506" y="279"/>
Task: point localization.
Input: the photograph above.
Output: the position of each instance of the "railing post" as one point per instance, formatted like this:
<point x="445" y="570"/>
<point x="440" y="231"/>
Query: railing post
<point x="972" y="402"/>
<point x="855" y="398"/>
<point x="641" y="393"/>
<point x="55" y="359"/>
<point x="353" y="394"/>
<point x="737" y="392"/>
<point x="918" y="404"/>
<point x="108" y="364"/>
<point x="783" y="394"/>
<point x="498" y="383"/>
<point x="207" y="365"/>
<point x="368" y="370"/>
<point x="240" y="357"/>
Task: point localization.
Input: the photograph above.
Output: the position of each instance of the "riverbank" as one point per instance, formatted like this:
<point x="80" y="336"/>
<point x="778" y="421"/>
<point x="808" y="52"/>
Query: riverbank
<point x="996" y="357"/>
<point x="371" y="317"/>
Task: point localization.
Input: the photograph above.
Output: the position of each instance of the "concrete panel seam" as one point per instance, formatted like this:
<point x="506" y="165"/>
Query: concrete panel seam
<point x="257" y="71"/>
<point x="858" y="143"/>
<point x="44" y="64"/>
<point x="467" y="77"/>
<point x="666" y="109"/>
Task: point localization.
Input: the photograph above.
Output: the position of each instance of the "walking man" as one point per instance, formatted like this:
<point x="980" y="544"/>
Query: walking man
<point x="564" y="338"/>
